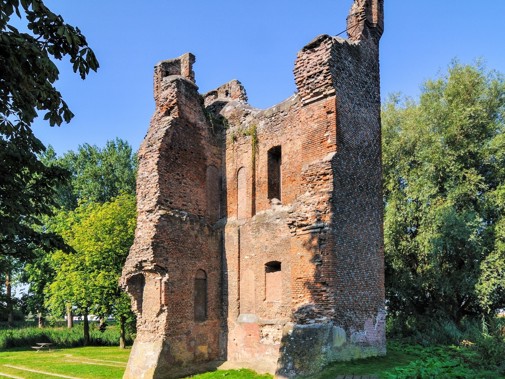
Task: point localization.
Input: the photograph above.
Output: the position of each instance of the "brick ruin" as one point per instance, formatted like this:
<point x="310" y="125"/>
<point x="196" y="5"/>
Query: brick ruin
<point x="259" y="238"/>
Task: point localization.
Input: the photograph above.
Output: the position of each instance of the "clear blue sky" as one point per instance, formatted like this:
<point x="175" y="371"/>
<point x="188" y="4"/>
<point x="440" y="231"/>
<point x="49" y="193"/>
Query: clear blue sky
<point x="253" y="41"/>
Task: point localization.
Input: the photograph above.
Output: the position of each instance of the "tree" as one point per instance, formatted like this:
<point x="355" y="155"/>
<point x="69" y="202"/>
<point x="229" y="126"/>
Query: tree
<point x="28" y="72"/>
<point x="99" y="174"/>
<point x="26" y="193"/>
<point x="10" y="266"/>
<point x="440" y="178"/>
<point x="101" y="236"/>
<point x="38" y="273"/>
<point x="491" y="286"/>
<point x="27" y="77"/>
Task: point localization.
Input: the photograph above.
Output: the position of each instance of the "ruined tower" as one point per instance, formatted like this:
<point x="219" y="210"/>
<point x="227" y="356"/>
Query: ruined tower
<point x="259" y="239"/>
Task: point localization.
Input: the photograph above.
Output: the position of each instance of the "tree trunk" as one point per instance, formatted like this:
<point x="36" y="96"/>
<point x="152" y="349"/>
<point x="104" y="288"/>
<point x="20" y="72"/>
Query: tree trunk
<point x="102" y="326"/>
<point x="122" y="338"/>
<point x="86" y="328"/>
<point x="8" y="294"/>
<point x="70" y="317"/>
<point x="40" y="319"/>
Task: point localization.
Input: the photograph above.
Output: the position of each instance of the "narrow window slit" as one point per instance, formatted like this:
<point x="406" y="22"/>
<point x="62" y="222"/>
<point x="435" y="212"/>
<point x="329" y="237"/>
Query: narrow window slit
<point x="274" y="173"/>
<point x="200" y="296"/>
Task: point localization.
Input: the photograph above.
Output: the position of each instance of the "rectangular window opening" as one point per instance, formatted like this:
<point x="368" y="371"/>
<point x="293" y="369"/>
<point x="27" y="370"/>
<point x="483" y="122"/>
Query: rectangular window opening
<point x="273" y="281"/>
<point x="200" y="296"/>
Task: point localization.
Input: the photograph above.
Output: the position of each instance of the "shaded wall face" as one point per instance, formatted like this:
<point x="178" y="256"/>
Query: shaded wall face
<point x="358" y="176"/>
<point x="350" y="72"/>
<point x="347" y="285"/>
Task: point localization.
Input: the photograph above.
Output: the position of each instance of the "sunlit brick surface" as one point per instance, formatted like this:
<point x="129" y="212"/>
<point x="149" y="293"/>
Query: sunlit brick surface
<point x="276" y="213"/>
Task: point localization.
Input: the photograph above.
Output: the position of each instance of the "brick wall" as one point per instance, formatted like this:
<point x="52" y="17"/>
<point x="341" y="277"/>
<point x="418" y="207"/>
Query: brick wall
<point x="179" y="201"/>
<point x="278" y="211"/>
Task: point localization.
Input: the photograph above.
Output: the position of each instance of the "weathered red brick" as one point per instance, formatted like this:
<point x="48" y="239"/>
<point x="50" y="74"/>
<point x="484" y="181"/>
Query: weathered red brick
<point x="276" y="214"/>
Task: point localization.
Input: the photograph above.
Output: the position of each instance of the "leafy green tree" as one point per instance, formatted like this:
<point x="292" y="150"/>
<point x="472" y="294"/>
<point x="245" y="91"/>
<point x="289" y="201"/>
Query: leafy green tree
<point x="10" y="266"/>
<point x="26" y="193"/>
<point x="101" y="236"/>
<point x="27" y="77"/>
<point x="491" y="286"/>
<point x="440" y="178"/>
<point x="27" y="67"/>
<point x="38" y="273"/>
<point x="99" y="174"/>
<point x="124" y="315"/>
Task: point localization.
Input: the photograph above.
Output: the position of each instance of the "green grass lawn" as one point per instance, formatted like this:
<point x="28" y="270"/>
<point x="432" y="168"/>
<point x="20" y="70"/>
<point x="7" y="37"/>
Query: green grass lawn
<point x="83" y="363"/>
<point x="402" y="361"/>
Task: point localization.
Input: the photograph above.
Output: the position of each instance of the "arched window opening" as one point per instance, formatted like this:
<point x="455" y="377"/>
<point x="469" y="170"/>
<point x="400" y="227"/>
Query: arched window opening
<point x="241" y="194"/>
<point x="274" y="172"/>
<point x="273" y="281"/>
<point x="164" y="291"/>
<point x="136" y="286"/>
<point x="200" y="296"/>
<point x="213" y="193"/>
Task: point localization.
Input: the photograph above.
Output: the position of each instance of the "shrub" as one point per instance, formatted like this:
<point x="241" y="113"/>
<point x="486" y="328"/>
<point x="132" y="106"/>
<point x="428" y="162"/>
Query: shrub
<point x="435" y="367"/>
<point x="442" y="362"/>
<point x="62" y="337"/>
<point x="491" y="344"/>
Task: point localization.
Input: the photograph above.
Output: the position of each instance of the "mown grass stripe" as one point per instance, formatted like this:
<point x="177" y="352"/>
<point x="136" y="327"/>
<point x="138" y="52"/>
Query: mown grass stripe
<point x="10" y="376"/>
<point x="70" y="356"/>
<point x="41" y="372"/>
<point x="96" y="363"/>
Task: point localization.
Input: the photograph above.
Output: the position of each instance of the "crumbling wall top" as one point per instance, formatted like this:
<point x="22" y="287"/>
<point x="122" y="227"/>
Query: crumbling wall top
<point x="167" y="71"/>
<point x="181" y="66"/>
<point x="233" y="90"/>
<point x="366" y="20"/>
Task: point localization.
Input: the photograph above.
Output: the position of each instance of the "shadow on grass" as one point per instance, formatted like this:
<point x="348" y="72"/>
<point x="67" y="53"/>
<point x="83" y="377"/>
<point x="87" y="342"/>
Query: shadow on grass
<point x="370" y="366"/>
<point x="232" y="374"/>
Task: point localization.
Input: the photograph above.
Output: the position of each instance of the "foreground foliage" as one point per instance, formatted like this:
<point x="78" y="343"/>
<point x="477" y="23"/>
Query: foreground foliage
<point x="27" y="86"/>
<point x="415" y="361"/>
<point x="27" y="78"/>
<point x="27" y="67"/>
